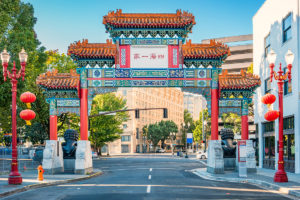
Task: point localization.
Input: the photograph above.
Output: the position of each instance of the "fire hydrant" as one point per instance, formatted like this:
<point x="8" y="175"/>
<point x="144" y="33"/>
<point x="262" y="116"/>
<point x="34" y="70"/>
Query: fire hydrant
<point x="40" y="173"/>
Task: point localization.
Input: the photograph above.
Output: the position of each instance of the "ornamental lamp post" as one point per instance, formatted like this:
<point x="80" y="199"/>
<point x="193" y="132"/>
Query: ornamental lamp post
<point x="280" y="175"/>
<point x="14" y="75"/>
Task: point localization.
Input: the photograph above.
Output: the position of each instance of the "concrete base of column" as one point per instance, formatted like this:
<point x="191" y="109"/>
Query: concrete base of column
<point x="215" y="160"/>
<point x="53" y="162"/>
<point x="250" y="160"/>
<point x="84" y="161"/>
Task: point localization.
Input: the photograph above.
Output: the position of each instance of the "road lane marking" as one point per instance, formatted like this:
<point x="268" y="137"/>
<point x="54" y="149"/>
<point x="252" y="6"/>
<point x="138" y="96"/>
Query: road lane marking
<point x="149" y="177"/>
<point x="148" y="188"/>
<point x="150" y="170"/>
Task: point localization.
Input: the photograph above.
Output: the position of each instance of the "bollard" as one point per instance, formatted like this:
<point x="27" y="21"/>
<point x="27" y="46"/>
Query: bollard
<point x="40" y="173"/>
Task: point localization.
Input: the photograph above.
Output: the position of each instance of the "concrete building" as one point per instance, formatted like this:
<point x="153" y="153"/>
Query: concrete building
<point x="132" y="140"/>
<point x="194" y="104"/>
<point x="241" y="49"/>
<point x="276" y="26"/>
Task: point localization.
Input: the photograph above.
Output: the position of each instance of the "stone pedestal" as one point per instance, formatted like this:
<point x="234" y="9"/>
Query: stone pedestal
<point x="53" y="162"/>
<point x="250" y="159"/>
<point x="69" y="165"/>
<point x="229" y="164"/>
<point x="215" y="160"/>
<point x="83" y="162"/>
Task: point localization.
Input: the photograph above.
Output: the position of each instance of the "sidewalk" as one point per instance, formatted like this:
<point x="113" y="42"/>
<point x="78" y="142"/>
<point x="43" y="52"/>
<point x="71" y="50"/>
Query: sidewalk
<point x="30" y="181"/>
<point x="263" y="177"/>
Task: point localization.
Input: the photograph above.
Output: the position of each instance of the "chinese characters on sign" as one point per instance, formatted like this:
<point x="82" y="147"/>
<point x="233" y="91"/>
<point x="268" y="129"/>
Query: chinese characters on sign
<point x="152" y="56"/>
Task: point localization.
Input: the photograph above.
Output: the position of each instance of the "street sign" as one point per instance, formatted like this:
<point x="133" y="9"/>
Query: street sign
<point x="242" y="155"/>
<point x="189" y="138"/>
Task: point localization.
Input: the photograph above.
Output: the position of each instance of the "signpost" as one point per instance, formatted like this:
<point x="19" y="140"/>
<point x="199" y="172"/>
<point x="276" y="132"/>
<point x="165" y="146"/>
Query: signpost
<point x="242" y="155"/>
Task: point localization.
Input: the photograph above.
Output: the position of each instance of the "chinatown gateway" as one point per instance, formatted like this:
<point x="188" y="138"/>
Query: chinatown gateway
<point x="146" y="50"/>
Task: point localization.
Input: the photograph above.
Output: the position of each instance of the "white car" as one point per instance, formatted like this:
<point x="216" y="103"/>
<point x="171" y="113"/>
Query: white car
<point x="201" y="155"/>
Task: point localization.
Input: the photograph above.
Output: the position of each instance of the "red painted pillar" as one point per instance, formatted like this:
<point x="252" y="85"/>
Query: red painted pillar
<point x="53" y="127"/>
<point x="214" y="114"/>
<point x="245" y="132"/>
<point x="84" y="114"/>
<point x="245" y="126"/>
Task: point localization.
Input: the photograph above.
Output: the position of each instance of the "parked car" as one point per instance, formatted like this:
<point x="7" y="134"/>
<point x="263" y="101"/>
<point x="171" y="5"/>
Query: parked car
<point x="94" y="154"/>
<point x="201" y="155"/>
<point x="160" y="150"/>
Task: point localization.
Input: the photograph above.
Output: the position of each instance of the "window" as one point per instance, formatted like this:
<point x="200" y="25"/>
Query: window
<point x="287" y="28"/>
<point x="124" y="126"/>
<point x="137" y="133"/>
<point x="125" y="138"/>
<point x="268" y="127"/>
<point x="288" y="123"/>
<point x="287" y="87"/>
<point x="267" y="45"/>
<point x="269" y="147"/>
<point x="267" y="85"/>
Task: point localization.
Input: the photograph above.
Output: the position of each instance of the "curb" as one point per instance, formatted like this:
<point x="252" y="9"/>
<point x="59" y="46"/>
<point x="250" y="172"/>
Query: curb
<point x="40" y="185"/>
<point x="268" y="185"/>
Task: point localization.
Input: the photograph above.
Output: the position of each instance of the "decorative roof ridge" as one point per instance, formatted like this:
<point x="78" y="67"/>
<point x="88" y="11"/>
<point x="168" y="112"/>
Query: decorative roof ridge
<point x="212" y="43"/>
<point x="242" y="73"/>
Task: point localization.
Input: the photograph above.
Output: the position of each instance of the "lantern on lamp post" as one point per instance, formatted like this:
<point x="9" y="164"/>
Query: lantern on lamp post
<point x="14" y="75"/>
<point x="280" y="175"/>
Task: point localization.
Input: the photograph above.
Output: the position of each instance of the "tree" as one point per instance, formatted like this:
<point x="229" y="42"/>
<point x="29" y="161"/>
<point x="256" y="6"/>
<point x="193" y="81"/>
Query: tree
<point x="62" y="62"/>
<point x="197" y="133"/>
<point x="106" y="128"/>
<point x="167" y="127"/>
<point x="17" y="32"/>
<point x="154" y="134"/>
<point x="232" y="121"/>
<point x="187" y="126"/>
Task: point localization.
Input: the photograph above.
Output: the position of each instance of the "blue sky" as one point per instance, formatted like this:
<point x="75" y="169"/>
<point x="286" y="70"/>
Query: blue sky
<point x="61" y="22"/>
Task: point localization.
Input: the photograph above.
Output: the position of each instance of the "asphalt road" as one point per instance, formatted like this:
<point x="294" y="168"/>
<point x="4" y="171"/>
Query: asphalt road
<point x="148" y="177"/>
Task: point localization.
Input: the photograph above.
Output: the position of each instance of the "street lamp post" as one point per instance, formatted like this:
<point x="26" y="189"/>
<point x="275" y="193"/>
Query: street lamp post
<point x="280" y="175"/>
<point x="14" y="176"/>
<point x="173" y="134"/>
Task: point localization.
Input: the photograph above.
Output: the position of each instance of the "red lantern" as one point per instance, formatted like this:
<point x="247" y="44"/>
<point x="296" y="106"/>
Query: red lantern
<point x="268" y="99"/>
<point x="28" y="97"/>
<point x="271" y="115"/>
<point x="27" y="115"/>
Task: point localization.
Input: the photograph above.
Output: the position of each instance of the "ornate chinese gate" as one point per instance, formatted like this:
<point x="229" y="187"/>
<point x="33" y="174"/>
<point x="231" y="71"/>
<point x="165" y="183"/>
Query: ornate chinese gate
<point x="148" y="50"/>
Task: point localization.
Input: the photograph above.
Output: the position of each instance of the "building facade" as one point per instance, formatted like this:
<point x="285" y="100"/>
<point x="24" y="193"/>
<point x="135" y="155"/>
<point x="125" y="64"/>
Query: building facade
<point x="194" y="104"/>
<point x="276" y="26"/>
<point x="132" y="139"/>
<point x="241" y="49"/>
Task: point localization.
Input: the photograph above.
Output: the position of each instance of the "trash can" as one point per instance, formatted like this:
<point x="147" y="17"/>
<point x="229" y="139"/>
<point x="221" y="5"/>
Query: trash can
<point x="177" y="153"/>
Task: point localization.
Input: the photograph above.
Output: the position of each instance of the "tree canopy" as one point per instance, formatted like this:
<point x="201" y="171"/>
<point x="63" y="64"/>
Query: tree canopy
<point x="106" y="128"/>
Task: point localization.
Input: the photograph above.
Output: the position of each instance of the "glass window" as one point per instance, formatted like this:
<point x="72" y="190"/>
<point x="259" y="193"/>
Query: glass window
<point x="287" y="87"/>
<point x="287" y="28"/>
<point x="289" y="147"/>
<point x="124" y="126"/>
<point x="268" y="127"/>
<point x="288" y="123"/>
<point x="267" y="85"/>
<point x="125" y="138"/>
<point x="267" y="45"/>
<point x="269" y="147"/>
<point x="137" y="133"/>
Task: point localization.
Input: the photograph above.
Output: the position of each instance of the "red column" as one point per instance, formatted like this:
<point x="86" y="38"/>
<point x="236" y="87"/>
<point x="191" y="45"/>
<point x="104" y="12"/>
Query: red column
<point x="214" y="114"/>
<point x="245" y="133"/>
<point x="53" y="127"/>
<point x="280" y="175"/>
<point x="84" y="114"/>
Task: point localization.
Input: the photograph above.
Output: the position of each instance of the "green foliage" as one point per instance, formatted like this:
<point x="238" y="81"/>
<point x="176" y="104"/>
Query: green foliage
<point x="250" y="69"/>
<point x="160" y="131"/>
<point x="188" y="125"/>
<point x="62" y="62"/>
<point x="232" y="121"/>
<point x="17" y="32"/>
<point x="106" y="128"/>
<point x="67" y="121"/>
<point x="197" y="133"/>
<point x="35" y="133"/>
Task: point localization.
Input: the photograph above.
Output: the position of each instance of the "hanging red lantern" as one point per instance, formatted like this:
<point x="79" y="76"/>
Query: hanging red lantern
<point x="27" y="115"/>
<point x="271" y="115"/>
<point x="268" y="99"/>
<point x="28" y="97"/>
